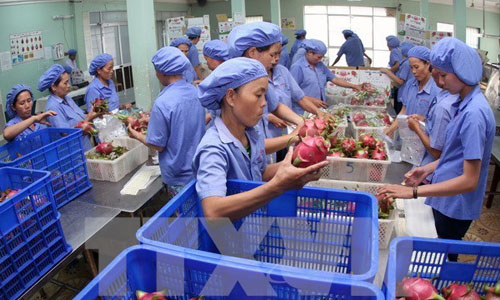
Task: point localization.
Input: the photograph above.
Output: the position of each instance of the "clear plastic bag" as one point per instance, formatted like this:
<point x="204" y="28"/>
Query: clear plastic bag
<point x="109" y="128"/>
<point x="412" y="149"/>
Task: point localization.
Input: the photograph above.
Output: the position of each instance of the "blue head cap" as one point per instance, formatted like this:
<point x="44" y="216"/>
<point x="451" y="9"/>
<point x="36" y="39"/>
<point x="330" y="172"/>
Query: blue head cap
<point x="420" y="52"/>
<point x="49" y="77"/>
<point x="170" y="61"/>
<point x="405" y="47"/>
<point x="72" y="52"/>
<point x="257" y="34"/>
<point x="180" y="40"/>
<point x="284" y="40"/>
<point x="216" y="49"/>
<point x="315" y="46"/>
<point x="193" y="32"/>
<point x="98" y="62"/>
<point x="392" y="41"/>
<point x="300" y="32"/>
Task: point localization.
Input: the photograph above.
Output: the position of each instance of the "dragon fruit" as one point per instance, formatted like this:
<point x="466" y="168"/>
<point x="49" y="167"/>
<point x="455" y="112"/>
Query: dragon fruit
<point x="362" y="123"/>
<point x="493" y="292"/>
<point x="362" y="154"/>
<point x="358" y="117"/>
<point x="336" y="154"/>
<point x="100" y="106"/>
<point x="380" y="101"/>
<point x="161" y="295"/>
<point x="459" y="292"/>
<point x="309" y="129"/>
<point x="417" y="288"/>
<point x="367" y="140"/>
<point x="378" y="154"/>
<point x="8" y="193"/>
<point x="309" y="151"/>
<point x="385" y="205"/>
<point x="348" y="145"/>
<point x="87" y="127"/>
<point x="104" y="148"/>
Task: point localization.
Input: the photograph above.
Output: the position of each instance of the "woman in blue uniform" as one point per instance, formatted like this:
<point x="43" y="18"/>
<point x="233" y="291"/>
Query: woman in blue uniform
<point x="284" y="56"/>
<point x="459" y="176"/>
<point x="300" y="36"/>
<point x="194" y="34"/>
<point x="311" y="74"/>
<point x="176" y="124"/>
<point x="68" y="114"/>
<point x="395" y="57"/>
<point x="184" y="45"/>
<point x="215" y="53"/>
<point x="18" y="108"/>
<point x="401" y="77"/>
<point x="420" y="92"/>
<point x="234" y="148"/>
<point x="103" y="87"/>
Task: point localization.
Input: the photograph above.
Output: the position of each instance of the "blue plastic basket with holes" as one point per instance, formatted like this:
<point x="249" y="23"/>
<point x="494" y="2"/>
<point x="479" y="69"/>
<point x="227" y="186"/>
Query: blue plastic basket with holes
<point x="479" y="263"/>
<point x="31" y="237"/>
<point x="318" y="232"/>
<point x="57" y="150"/>
<point x="186" y="275"/>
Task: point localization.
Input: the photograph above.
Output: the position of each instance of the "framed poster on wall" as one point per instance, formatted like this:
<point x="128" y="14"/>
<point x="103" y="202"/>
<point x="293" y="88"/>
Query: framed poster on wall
<point x="25" y="47"/>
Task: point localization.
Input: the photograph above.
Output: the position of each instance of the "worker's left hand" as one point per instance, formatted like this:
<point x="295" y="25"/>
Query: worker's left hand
<point x="396" y="191"/>
<point x="134" y="133"/>
<point x="413" y="124"/>
<point x="318" y="102"/>
<point x="357" y="87"/>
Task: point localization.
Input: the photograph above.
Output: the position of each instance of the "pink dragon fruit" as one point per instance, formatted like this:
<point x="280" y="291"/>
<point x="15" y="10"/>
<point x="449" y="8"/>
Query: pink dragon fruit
<point x="378" y="154"/>
<point x="309" y="129"/>
<point x="87" y="128"/>
<point x="419" y="289"/>
<point x="309" y="151"/>
<point x="358" y="117"/>
<point x="348" y="145"/>
<point x="336" y="154"/>
<point x="459" y="292"/>
<point x="362" y="123"/>
<point x="104" y="148"/>
<point x="362" y="153"/>
<point x="367" y="140"/>
<point x="493" y="292"/>
<point x="161" y="295"/>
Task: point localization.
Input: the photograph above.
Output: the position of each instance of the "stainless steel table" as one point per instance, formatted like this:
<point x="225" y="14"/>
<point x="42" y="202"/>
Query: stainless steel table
<point x="80" y="221"/>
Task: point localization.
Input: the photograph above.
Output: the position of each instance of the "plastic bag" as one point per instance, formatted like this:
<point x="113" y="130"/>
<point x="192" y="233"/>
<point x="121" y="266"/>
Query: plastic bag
<point x="412" y="149"/>
<point x="109" y="128"/>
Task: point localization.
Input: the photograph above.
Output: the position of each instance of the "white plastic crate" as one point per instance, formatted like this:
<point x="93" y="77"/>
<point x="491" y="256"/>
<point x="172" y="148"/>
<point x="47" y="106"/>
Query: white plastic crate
<point x="385" y="226"/>
<point x="355" y="169"/>
<point x="115" y="170"/>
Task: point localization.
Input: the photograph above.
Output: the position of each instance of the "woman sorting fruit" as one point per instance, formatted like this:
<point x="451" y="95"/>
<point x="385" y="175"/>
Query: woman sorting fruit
<point x="234" y="148"/>
<point x="67" y="113"/>
<point x="459" y="176"/>
<point x="177" y="120"/>
<point x="420" y="92"/>
<point x="102" y="87"/>
<point x="18" y="108"/>
<point x="311" y="74"/>
<point x="184" y="44"/>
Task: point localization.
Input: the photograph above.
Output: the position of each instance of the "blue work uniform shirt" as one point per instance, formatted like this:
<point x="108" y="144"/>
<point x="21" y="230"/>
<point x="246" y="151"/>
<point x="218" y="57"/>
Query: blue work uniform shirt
<point x="295" y="47"/>
<point x="284" y="58"/>
<point x="353" y="50"/>
<point x="68" y="115"/>
<point x="469" y="136"/>
<point x="97" y="89"/>
<point x="190" y="75"/>
<point x="35" y="127"/>
<point x="404" y="72"/>
<point x="418" y="101"/>
<point x="439" y="116"/>
<point x="395" y="56"/>
<point x="311" y="80"/>
<point x="177" y="123"/>
<point x="193" y="55"/>
<point x="286" y="90"/>
<point x="220" y="156"/>
<point x="301" y="52"/>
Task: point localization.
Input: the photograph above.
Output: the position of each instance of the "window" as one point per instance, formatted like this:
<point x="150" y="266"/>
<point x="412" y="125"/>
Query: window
<point x="251" y="19"/>
<point x="371" y="24"/>
<point x="472" y="34"/>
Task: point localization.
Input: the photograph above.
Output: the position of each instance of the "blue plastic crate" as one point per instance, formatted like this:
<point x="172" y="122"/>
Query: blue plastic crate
<point x="186" y="275"/>
<point x="31" y="237"/>
<point x="428" y="258"/>
<point x="57" y="150"/>
<point x="333" y="232"/>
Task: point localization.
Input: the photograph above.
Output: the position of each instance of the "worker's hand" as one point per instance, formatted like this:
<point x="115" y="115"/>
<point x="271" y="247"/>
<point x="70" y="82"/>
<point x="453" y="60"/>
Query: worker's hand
<point x="396" y="191"/>
<point x="357" y="87"/>
<point x="42" y="118"/>
<point x="417" y="117"/>
<point x="289" y="177"/>
<point x="92" y="114"/>
<point x="134" y="133"/>
<point x="416" y="176"/>
<point x="318" y="102"/>
<point x="384" y="71"/>
<point x="413" y="124"/>
<point x="208" y="118"/>
<point x="277" y="121"/>
<point x="389" y="131"/>
<point x="126" y="106"/>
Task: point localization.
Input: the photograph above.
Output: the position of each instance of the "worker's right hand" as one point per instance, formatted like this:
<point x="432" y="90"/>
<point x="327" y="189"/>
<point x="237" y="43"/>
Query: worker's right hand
<point x="42" y="118"/>
<point x="289" y="177"/>
<point x="279" y="123"/>
<point x="416" y="176"/>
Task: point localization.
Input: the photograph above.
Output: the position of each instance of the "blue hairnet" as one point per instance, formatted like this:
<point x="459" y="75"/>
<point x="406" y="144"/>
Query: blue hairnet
<point x="454" y="56"/>
<point x="193" y="32"/>
<point x="284" y="40"/>
<point x="230" y="74"/>
<point x="170" y="61"/>
<point x="300" y="32"/>
<point x="216" y="49"/>
<point x="49" y="77"/>
<point x="347" y="32"/>
<point x="180" y="40"/>
<point x="72" y="51"/>
<point x="392" y="41"/>
<point x="257" y="34"/>
<point x="420" y="52"/>
<point x="405" y="47"/>
<point x="11" y="96"/>
<point x="67" y="69"/>
<point x="315" y="46"/>
<point x="98" y="62"/>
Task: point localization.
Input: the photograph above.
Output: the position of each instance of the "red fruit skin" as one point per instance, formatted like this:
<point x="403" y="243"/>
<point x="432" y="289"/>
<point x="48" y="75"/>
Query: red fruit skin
<point x="362" y="123"/>
<point x="378" y="154"/>
<point x="348" y="145"/>
<point x="459" y="292"/>
<point x="362" y="154"/>
<point x="492" y="296"/>
<point x="104" y="148"/>
<point x="419" y="289"/>
<point x="12" y="193"/>
<point x="358" y="117"/>
<point x="368" y="140"/>
<point x="336" y="154"/>
<point x="309" y="129"/>
<point x="310" y="151"/>
<point x="151" y="296"/>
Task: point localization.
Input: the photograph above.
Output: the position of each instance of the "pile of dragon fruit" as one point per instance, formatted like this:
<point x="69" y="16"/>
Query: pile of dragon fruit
<point x="371" y="119"/>
<point x="8" y="193"/>
<point x="138" y="122"/>
<point x="417" y="288"/>
<point x="370" y="96"/>
<point x="318" y="139"/>
<point x="106" y="151"/>
<point x="100" y="106"/>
